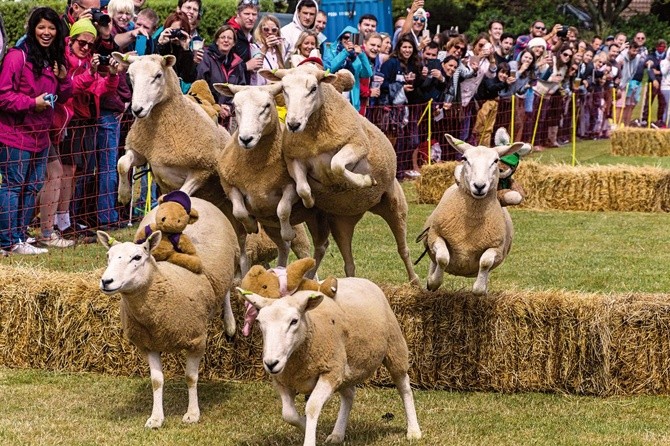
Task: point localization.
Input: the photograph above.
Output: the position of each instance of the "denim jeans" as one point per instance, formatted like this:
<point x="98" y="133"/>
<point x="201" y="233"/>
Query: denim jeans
<point x="23" y="175"/>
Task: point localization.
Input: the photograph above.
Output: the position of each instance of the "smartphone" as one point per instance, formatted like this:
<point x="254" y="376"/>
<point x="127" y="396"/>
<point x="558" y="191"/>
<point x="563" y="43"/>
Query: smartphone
<point x="437" y="30"/>
<point x="357" y="39"/>
<point x="426" y="33"/>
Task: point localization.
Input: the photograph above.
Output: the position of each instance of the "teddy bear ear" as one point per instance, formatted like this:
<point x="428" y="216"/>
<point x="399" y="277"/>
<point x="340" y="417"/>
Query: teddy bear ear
<point x="297" y="270"/>
<point x="252" y="276"/>
<point x="160" y="199"/>
<point x="193" y="216"/>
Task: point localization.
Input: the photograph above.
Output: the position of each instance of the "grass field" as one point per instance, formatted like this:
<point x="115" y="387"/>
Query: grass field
<point x="594" y="252"/>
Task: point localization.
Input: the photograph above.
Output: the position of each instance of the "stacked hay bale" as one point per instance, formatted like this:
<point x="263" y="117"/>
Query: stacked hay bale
<point x="632" y="141"/>
<point x="515" y="341"/>
<point x="562" y="187"/>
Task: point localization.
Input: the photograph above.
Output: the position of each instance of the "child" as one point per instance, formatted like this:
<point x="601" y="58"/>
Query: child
<point x="305" y="47"/>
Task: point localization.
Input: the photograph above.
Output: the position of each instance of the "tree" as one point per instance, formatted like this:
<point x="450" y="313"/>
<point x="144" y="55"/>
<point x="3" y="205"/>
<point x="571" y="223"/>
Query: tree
<point x="605" y="13"/>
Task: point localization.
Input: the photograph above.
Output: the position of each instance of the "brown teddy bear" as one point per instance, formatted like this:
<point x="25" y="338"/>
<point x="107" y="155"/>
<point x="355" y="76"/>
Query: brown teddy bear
<point x="202" y="95"/>
<point x="278" y="282"/>
<point x="173" y="214"/>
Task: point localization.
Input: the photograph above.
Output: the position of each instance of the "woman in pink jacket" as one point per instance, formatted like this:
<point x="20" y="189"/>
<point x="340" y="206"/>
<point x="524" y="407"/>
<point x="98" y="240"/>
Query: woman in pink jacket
<point x="31" y="77"/>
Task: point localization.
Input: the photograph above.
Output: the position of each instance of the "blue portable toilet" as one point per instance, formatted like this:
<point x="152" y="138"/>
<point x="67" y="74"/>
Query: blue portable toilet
<point x="347" y="12"/>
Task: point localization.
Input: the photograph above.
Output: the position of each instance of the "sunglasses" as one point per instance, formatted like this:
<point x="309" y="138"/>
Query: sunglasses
<point x="419" y="19"/>
<point x="346" y="37"/>
<point x="270" y="30"/>
<point x="248" y="2"/>
<point x="459" y="47"/>
<point x="566" y="54"/>
<point x="541" y="28"/>
<point x="84" y="43"/>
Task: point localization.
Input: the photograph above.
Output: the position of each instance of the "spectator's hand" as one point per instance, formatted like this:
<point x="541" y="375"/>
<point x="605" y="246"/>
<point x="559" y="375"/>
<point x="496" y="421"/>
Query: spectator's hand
<point x="375" y="92"/>
<point x="510" y="80"/>
<point x="424" y="71"/>
<point x="164" y="37"/>
<point x="273" y="41"/>
<point x="424" y="43"/>
<point x="86" y="15"/>
<point x="655" y="84"/>
<point x="557" y="27"/>
<point x="60" y="71"/>
<point x="409" y="77"/>
<point x="186" y="42"/>
<point x="524" y="67"/>
<point x="41" y="104"/>
<point x="357" y="49"/>
<point x="416" y="4"/>
<point x="95" y="63"/>
<point x="134" y="33"/>
<point x="348" y="45"/>
<point x="408" y="87"/>
<point x="255" y="63"/>
<point x="446" y="106"/>
<point x="487" y="50"/>
<point x="113" y="66"/>
<point x="225" y="111"/>
<point x="437" y="74"/>
<point x="473" y="62"/>
<point x="198" y="55"/>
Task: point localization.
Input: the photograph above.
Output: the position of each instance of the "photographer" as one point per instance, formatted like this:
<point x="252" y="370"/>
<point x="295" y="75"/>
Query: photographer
<point x="83" y="9"/>
<point x="270" y="46"/>
<point x="349" y="55"/>
<point x="175" y="39"/>
<point x="124" y="30"/>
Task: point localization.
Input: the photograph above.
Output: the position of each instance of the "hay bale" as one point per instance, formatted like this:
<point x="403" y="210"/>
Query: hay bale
<point x="563" y="187"/>
<point x="632" y="141"/>
<point x="547" y="341"/>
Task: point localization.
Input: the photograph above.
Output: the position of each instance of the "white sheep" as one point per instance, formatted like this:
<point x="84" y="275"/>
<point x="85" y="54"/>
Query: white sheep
<point x="317" y="346"/>
<point x="167" y="308"/>
<point x="469" y="233"/>
<point x="333" y="154"/>
<point x="254" y="175"/>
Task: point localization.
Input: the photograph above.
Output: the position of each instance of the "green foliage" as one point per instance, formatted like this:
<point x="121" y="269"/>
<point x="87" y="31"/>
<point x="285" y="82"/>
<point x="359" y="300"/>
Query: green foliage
<point x="216" y="13"/>
<point x="519" y="19"/>
<point x="652" y="25"/>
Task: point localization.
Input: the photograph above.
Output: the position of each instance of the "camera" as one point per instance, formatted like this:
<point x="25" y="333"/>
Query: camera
<point x="177" y="34"/>
<point x="99" y="17"/>
<point x="104" y="60"/>
<point x="563" y="33"/>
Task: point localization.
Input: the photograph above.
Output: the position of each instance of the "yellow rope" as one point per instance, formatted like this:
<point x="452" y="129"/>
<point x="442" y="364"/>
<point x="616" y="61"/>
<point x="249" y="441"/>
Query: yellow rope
<point x="649" y="107"/>
<point x="574" y="129"/>
<point x="537" y="121"/>
<point x="511" y="126"/>
<point x="430" y="130"/>
<point x="147" y="200"/>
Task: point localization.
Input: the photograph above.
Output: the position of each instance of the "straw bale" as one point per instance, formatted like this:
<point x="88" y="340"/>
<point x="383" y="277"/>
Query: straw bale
<point x="632" y="141"/>
<point x="548" y="341"/>
<point x="563" y="187"/>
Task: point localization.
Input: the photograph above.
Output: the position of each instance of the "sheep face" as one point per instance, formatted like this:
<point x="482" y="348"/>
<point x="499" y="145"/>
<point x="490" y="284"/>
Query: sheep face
<point x="255" y="111"/>
<point x="148" y="77"/>
<point x="283" y="324"/>
<point x="129" y="265"/>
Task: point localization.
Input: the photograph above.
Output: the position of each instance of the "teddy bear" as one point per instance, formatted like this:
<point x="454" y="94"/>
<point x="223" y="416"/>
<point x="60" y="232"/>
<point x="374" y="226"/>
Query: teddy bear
<point x="174" y="212"/>
<point x="202" y="95"/>
<point x="279" y="282"/>
<point x="510" y="192"/>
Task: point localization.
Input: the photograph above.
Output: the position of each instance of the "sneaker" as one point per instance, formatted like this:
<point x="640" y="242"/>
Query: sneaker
<point x="55" y="241"/>
<point x="27" y="249"/>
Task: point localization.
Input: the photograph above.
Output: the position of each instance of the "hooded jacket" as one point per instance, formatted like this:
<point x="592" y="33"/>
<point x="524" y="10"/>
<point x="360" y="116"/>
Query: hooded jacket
<point x="292" y="31"/>
<point x="21" y="127"/>
<point x="218" y="68"/>
<point x="338" y="58"/>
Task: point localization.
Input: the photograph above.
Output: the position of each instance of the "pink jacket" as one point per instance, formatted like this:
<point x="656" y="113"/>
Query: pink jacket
<point x="20" y="126"/>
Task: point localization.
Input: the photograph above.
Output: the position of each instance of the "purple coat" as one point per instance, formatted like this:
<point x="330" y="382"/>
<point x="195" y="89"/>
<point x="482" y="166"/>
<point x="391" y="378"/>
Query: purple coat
<point x="20" y="126"/>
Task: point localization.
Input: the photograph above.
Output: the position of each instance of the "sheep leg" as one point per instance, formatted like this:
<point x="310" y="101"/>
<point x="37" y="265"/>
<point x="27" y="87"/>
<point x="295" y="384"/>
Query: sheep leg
<point x="405" y="391"/>
<point x="288" y="411"/>
<point x="320" y="230"/>
<point x="486" y="262"/>
<point x="298" y="171"/>
<point x="228" y="316"/>
<point x="192" y="414"/>
<point x="283" y="247"/>
<point x="156" y="419"/>
<point x="346" y="401"/>
<point x="129" y="160"/>
<point x="437" y="266"/>
<point x="288" y="198"/>
<point x="342" y="227"/>
<point x="192" y="183"/>
<point x="320" y="395"/>
<point x="349" y="155"/>
<point x="241" y="213"/>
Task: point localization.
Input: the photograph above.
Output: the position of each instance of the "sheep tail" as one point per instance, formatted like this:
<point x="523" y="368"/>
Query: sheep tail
<point x="420" y="238"/>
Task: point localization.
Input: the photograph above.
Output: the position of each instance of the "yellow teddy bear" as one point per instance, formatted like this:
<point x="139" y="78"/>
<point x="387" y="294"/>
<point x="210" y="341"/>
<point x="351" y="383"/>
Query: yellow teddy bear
<point x="202" y="95"/>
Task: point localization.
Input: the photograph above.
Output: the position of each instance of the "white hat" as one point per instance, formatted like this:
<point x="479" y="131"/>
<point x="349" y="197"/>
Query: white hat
<point x="537" y="41"/>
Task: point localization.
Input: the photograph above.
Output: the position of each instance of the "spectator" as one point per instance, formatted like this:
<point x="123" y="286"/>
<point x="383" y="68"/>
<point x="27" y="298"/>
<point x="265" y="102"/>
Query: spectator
<point x="665" y="85"/>
<point x="304" y="18"/>
<point x="367" y="25"/>
<point x="653" y="65"/>
<point x="320" y="27"/>
<point x="221" y="65"/>
<point x="76" y="10"/>
<point x="596" y="44"/>
<point x="346" y="55"/>
<point x="415" y="23"/>
<point x="496" y="27"/>
<point x="176" y="40"/>
<point x="537" y="29"/>
<point x="552" y="71"/>
<point x="271" y="45"/>
<point x="525" y="77"/>
<point x="193" y="10"/>
<point x="139" y="6"/>
<point x="631" y="67"/>
<point x="371" y="88"/>
<point x="621" y="40"/>
<point x="123" y="29"/>
<point x="585" y="74"/>
<point x="487" y="97"/>
<point x="305" y="47"/>
<point x="447" y="117"/>
<point x="243" y="23"/>
<point x="503" y="51"/>
<point x="433" y="83"/>
<point x="386" y="47"/>
<point x="29" y="73"/>
<point x="147" y="22"/>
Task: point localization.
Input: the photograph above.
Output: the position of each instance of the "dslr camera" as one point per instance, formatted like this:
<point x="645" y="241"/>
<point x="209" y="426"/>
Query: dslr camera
<point x="104" y="60"/>
<point x="99" y="17"/>
<point x="177" y="34"/>
<point x="563" y="33"/>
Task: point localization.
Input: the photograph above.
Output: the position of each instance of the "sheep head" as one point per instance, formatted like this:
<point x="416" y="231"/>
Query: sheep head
<point x="479" y="174"/>
<point x="129" y="265"/>
<point x="301" y="92"/>
<point x="255" y="110"/>
<point x="149" y="77"/>
<point x="283" y="324"/>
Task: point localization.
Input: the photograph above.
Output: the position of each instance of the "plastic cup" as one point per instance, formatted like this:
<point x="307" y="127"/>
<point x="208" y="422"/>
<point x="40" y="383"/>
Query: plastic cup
<point x="197" y="44"/>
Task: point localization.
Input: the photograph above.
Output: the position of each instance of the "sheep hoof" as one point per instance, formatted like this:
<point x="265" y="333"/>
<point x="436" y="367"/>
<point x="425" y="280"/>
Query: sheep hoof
<point x="124" y="197"/>
<point x="432" y="286"/>
<point x="413" y="434"/>
<point x="479" y="289"/>
<point x="154" y="423"/>
<point x="191" y="417"/>
<point x="308" y="202"/>
<point x="335" y="438"/>
<point x="230" y="338"/>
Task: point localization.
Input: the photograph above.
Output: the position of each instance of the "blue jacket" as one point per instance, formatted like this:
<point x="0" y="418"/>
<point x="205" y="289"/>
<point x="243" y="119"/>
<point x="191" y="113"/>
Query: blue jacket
<point x="337" y="58"/>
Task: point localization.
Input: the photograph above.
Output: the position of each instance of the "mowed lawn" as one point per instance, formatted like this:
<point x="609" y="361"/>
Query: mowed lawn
<point x="594" y="252"/>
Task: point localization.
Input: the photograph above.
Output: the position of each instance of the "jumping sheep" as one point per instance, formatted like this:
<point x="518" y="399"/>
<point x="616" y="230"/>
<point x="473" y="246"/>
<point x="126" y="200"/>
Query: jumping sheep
<point x="469" y="233"/>
<point x="167" y="308"/>
<point x="317" y="345"/>
<point x="325" y="135"/>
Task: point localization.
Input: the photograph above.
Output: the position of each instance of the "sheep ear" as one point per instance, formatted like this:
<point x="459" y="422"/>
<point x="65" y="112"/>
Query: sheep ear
<point x="457" y="144"/>
<point x="273" y="75"/>
<point x="193" y="216"/>
<point x="254" y="299"/>
<point x="273" y="89"/>
<point x="228" y="90"/>
<point x="106" y="240"/>
<point x="127" y="58"/>
<point x="309" y="302"/>
<point x="507" y="150"/>
<point x="327" y="77"/>
<point x="169" y="60"/>
<point x="153" y="240"/>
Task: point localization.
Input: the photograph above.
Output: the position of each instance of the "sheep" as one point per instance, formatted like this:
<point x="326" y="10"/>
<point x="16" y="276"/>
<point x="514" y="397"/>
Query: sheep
<point x="166" y="308"/>
<point x="317" y="345"/>
<point x="469" y="233"/>
<point x="326" y="135"/>
<point x="176" y="136"/>
<point x="255" y="152"/>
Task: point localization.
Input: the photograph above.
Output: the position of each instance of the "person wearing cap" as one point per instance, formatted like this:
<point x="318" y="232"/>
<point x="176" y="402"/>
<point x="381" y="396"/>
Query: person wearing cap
<point x="345" y="55"/>
<point x="304" y="19"/>
<point x="243" y="23"/>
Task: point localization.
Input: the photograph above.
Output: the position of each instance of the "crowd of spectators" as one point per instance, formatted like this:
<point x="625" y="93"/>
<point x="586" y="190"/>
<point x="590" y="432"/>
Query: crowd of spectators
<point x="64" y="99"/>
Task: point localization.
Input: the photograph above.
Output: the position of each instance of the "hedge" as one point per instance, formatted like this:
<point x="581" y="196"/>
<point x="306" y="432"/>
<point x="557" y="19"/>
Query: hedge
<point x="216" y="12"/>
